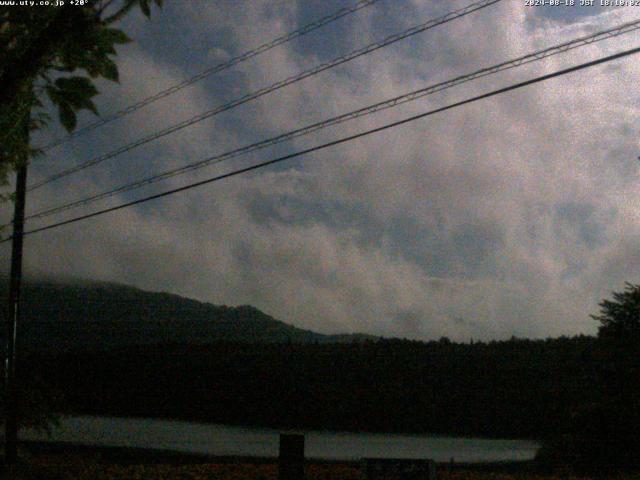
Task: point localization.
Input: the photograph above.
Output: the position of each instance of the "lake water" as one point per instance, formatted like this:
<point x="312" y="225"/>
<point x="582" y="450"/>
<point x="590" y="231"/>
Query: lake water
<point x="228" y="440"/>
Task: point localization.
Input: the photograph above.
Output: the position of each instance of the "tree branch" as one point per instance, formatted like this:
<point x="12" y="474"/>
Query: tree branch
<point x="128" y="5"/>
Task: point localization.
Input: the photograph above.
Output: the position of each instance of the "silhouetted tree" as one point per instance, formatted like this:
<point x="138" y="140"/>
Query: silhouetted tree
<point x="57" y="53"/>
<point x="40" y="47"/>
<point x="620" y="318"/>
<point x="603" y="434"/>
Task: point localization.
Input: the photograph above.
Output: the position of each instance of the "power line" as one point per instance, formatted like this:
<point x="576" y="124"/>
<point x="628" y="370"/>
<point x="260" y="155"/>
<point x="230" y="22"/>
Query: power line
<point x="408" y="97"/>
<point x="271" y="88"/>
<point x="337" y="142"/>
<point x="215" y="69"/>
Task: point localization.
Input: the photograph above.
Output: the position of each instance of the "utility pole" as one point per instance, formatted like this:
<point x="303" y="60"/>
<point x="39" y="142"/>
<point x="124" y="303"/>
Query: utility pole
<point x="13" y="310"/>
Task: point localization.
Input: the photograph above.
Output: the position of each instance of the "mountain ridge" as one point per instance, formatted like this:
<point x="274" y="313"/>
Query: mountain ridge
<point x="81" y="314"/>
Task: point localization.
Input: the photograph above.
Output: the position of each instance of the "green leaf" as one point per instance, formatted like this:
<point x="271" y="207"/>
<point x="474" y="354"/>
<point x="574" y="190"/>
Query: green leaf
<point x="75" y="89"/>
<point x="89" y="105"/>
<point x="113" y="35"/>
<point x="54" y="94"/>
<point x="144" y="6"/>
<point x="93" y="69"/>
<point x="105" y="48"/>
<point x="71" y="94"/>
<point x="67" y="116"/>
<point x="109" y="70"/>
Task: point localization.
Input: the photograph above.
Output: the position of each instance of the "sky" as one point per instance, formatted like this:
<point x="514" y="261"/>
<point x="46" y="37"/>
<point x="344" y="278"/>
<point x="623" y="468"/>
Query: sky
<point x="512" y="216"/>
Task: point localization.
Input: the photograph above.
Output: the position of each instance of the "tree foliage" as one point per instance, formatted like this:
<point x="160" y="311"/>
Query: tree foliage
<point x="55" y="52"/>
<point x="603" y="434"/>
<point x="620" y="318"/>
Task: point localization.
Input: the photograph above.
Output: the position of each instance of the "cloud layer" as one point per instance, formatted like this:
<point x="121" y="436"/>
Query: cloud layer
<point x="510" y="216"/>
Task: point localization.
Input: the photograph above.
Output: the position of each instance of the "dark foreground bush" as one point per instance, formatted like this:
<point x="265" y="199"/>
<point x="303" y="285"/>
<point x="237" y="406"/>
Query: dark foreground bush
<point x="600" y="439"/>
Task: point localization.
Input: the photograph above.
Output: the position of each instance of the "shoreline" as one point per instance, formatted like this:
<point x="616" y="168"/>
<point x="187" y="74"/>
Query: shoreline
<point x="277" y="429"/>
<point x="146" y="456"/>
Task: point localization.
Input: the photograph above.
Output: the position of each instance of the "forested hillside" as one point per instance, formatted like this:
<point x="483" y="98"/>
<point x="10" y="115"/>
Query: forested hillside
<point x="517" y="388"/>
<point x="117" y="350"/>
<point x="90" y="316"/>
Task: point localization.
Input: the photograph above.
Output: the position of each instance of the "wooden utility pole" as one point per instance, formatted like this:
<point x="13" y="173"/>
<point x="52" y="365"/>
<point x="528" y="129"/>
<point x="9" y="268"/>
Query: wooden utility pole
<point x="13" y="312"/>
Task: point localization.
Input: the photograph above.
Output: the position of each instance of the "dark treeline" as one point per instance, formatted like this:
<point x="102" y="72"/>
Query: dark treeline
<point x="515" y="388"/>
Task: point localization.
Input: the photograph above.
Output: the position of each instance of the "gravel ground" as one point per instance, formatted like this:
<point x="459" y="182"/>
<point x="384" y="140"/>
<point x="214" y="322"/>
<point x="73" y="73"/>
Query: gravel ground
<point x="41" y="461"/>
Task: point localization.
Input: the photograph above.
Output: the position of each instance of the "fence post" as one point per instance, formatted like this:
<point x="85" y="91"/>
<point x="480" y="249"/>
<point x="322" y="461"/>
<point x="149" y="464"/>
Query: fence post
<point x="291" y="459"/>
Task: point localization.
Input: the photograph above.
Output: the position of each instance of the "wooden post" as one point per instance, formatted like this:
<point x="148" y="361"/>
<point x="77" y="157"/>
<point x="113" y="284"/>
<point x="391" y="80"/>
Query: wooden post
<point x="291" y="459"/>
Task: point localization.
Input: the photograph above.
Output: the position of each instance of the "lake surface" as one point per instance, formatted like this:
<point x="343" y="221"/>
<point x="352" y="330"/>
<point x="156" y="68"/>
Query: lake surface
<point x="228" y="440"/>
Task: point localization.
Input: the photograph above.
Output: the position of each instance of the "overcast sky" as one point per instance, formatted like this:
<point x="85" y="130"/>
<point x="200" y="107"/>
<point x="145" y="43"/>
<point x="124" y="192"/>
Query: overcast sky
<point x="511" y="216"/>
